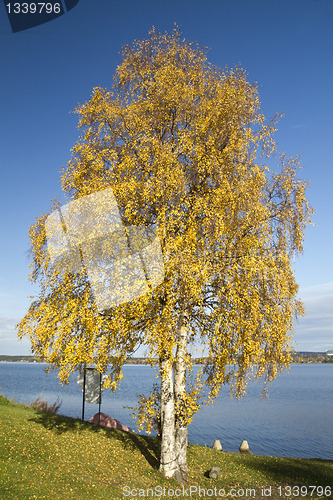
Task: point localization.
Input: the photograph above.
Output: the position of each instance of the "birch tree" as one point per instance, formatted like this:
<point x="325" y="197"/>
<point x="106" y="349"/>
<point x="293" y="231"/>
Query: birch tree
<point x="179" y="141"/>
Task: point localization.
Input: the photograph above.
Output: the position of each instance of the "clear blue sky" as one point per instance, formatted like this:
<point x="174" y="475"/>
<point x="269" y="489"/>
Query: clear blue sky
<point x="285" y="46"/>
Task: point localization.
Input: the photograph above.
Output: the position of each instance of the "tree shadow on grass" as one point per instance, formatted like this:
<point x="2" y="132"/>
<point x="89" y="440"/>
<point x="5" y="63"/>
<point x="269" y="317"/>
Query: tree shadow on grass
<point x="148" y="446"/>
<point x="303" y="471"/>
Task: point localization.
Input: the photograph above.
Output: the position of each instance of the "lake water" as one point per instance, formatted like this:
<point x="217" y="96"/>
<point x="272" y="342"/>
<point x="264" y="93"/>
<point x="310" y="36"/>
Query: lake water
<point x="295" y="421"/>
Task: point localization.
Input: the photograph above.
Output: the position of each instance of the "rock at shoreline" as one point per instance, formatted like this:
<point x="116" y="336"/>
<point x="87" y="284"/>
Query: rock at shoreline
<point x="244" y="447"/>
<point x="107" y="421"/>
<point x="217" y="445"/>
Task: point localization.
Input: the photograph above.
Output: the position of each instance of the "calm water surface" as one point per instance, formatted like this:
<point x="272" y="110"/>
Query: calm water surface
<point x="296" y="420"/>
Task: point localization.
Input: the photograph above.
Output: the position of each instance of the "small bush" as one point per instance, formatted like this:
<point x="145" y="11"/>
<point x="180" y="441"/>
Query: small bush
<point x="43" y="406"/>
<point x="4" y="400"/>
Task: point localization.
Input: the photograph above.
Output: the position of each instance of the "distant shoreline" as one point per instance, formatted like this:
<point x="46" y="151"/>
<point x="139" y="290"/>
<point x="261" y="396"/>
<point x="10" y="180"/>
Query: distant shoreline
<point x="298" y="357"/>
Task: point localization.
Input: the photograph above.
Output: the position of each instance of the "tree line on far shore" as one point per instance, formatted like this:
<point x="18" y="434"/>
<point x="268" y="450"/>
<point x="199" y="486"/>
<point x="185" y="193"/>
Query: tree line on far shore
<point x="298" y="357"/>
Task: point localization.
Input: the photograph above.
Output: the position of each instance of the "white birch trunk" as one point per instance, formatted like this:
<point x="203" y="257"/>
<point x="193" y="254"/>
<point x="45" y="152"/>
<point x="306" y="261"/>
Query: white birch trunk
<point x="168" y="461"/>
<point x="180" y="391"/>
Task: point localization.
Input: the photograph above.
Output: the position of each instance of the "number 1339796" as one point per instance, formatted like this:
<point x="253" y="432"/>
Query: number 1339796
<point x="33" y="8"/>
<point x="313" y="491"/>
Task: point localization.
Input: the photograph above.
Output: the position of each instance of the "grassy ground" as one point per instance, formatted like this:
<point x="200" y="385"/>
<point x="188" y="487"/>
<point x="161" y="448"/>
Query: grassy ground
<point x="48" y="456"/>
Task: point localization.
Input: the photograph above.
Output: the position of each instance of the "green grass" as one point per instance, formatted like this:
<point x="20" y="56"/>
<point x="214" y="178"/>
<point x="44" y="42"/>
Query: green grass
<point x="49" y="456"/>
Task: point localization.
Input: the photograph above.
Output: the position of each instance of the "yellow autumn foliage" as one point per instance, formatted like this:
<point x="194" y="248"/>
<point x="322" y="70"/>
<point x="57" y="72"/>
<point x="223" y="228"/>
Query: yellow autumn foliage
<point x="179" y="142"/>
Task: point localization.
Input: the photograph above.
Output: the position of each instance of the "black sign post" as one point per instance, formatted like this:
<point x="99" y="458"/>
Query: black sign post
<point x="84" y="392"/>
